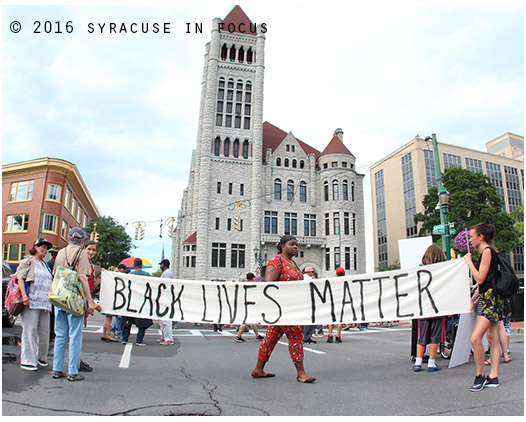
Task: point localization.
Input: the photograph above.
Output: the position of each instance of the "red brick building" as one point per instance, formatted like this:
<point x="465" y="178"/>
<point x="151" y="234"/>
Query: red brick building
<point x="45" y="197"/>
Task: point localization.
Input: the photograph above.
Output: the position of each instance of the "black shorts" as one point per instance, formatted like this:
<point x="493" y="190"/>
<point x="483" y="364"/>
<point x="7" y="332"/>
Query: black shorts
<point x="430" y="330"/>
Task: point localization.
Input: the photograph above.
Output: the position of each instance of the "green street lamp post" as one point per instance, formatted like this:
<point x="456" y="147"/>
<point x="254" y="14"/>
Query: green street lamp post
<point x="443" y="200"/>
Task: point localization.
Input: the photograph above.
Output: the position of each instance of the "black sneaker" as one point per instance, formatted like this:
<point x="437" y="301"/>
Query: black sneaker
<point x="329" y="340"/>
<point x="492" y="382"/>
<point x="479" y="383"/>
<point x="239" y="339"/>
<point x="260" y="338"/>
<point x="338" y="339"/>
<point x="84" y="367"/>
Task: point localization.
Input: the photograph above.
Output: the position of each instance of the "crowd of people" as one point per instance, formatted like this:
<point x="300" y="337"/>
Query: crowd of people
<point x="35" y="277"/>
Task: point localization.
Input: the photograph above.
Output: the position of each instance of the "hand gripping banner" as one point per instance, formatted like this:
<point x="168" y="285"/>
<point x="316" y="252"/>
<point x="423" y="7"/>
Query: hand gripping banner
<point x="422" y="292"/>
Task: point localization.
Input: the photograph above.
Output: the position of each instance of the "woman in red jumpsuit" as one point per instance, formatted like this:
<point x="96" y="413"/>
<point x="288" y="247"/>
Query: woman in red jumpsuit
<point x="283" y="268"/>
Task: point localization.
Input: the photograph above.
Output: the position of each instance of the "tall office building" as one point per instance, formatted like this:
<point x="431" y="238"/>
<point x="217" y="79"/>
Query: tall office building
<point x="251" y="182"/>
<point x="400" y="180"/>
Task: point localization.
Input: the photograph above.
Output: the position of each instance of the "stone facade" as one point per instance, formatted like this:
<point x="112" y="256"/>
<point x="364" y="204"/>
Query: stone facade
<point x="250" y="182"/>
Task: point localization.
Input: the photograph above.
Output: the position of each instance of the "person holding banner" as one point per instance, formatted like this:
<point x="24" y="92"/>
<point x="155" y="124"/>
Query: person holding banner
<point x="283" y="268"/>
<point x="492" y="305"/>
<point x="430" y="330"/>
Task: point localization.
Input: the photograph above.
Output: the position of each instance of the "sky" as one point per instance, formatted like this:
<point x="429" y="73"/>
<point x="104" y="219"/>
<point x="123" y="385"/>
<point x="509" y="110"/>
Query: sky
<point x="124" y="107"/>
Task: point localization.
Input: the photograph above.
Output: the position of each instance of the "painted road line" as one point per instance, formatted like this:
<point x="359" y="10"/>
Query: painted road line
<point x="196" y="332"/>
<point x="318" y="352"/>
<point x="126" y="356"/>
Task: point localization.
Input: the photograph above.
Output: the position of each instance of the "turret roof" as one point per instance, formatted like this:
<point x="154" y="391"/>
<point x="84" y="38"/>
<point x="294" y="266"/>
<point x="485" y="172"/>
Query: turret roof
<point x="336" y="146"/>
<point x="237" y="16"/>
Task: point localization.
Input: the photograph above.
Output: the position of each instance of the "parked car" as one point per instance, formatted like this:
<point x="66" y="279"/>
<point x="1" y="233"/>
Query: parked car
<point x="7" y="320"/>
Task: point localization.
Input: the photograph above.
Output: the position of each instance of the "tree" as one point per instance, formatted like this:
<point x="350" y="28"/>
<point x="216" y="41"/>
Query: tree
<point x="473" y="199"/>
<point x="113" y="244"/>
<point x="518" y="214"/>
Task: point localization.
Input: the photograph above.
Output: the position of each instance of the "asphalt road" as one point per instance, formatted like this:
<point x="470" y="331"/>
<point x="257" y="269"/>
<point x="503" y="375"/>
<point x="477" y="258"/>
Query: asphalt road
<point x="207" y="373"/>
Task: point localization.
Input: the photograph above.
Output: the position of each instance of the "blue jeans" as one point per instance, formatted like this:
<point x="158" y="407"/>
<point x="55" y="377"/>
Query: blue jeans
<point x="117" y="324"/>
<point x="67" y="326"/>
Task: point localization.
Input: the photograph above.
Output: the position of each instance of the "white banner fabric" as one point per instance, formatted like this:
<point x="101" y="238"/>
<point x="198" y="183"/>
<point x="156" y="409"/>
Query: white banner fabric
<point x="422" y="292"/>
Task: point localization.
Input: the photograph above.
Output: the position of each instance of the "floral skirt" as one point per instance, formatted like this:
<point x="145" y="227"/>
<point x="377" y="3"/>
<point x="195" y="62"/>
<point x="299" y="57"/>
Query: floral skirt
<point x="491" y="306"/>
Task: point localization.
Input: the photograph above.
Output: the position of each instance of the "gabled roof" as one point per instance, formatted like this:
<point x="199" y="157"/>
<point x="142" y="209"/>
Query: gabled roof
<point x="336" y="146"/>
<point x="237" y="16"/>
<point x="192" y="238"/>
<point x="273" y="136"/>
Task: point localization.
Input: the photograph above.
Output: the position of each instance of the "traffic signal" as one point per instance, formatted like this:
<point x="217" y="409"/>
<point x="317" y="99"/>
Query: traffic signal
<point x="236" y="223"/>
<point x="141" y="233"/>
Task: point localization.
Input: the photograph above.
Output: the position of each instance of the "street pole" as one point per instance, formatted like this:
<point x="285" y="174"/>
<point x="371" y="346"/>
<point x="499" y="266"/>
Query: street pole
<point x="443" y="199"/>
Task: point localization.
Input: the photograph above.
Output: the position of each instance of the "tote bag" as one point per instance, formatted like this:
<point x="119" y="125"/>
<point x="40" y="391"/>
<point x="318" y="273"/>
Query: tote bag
<point x="66" y="290"/>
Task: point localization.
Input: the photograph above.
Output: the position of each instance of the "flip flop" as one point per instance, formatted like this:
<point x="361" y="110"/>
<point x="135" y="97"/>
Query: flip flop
<point x="268" y="375"/>
<point x="507" y="360"/>
<point x="487" y="362"/>
<point x="309" y="380"/>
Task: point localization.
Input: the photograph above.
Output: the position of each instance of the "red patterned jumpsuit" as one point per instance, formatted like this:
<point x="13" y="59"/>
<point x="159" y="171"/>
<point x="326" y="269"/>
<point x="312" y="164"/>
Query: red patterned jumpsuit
<point x="288" y="271"/>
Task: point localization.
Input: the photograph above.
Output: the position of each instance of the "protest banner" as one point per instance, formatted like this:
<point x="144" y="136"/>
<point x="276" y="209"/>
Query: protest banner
<point x="422" y="292"/>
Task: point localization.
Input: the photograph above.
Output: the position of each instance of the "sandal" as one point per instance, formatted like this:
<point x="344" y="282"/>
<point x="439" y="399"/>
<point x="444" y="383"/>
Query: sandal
<point x="507" y="360"/>
<point x="487" y="362"/>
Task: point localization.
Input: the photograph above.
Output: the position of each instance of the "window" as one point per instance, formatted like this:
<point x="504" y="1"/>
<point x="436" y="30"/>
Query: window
<point x="278" y="162"/>
<point x="218" y="254"/>
<point x="64" y="230"/>
<point x="277" y="189"/>
<point x="230" y="186"/>
<point x="512" y="187"/>
<point x="17" y="223"/>
<point x="336" y="217"/>
<point x="309" y="224"/>
<point x="474" y="165"/>
<point x="327" y="225"/>
<point x="50" y="223"/>
<point x="337" y="258"/>
<point x="286" y="162"/>
<point x="347" y="258"/>
<point x="21" y="191"/>
<point x="291" y="223"/>
<point x="429" y="160"/>
<point x="346" y="223"/>
<point x="303" y="192"/>
<point x="327" y="259"/>
<point x="345" y="190"/>
<point x="217" y="146"/>
<point x="335" y="195"/>
<point x="381" y="219"/>
<point x="495" y="174"/>
<point x="217" y="223"/>
<point x="271" y="222"/>
<point x="241" y="189"/>
<point x="226" y="147"/>
<point x="73" y="206"/>
<point x="409" y="195"/>
<point x="237" y="256"/>
<point x="218" y="187"/>
<point x="451" y="160"/>
<point x="294" y="164"/>
<point x="235" y="151"/>
<point x="229" y="224"/>
<point x="245" y="149"/>
<point x="354" y="224"/>
<point x="14" y="252"/>
<point x="53" y="192"/>
<point x="302" y="164"/>
<point x="290" y="190"/>
<point x="326" y="190"/>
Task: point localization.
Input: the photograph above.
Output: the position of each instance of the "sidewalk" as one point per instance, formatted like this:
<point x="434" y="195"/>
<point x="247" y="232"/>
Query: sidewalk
<point x="517" y="327"/>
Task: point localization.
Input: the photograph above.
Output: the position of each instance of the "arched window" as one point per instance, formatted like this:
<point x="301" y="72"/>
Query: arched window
<point x="241" y="54"/>
<point x="245" y="149"/>
<point x="224" y="52"/>
<point x="217" y="146"/>
<point x="335" y="194"/>
<point x="345" y="190"/>
<point x="290" y="190"/>
<point x="294" y="164"/>
<point x="302" y="164"/>
<point x="286" y="162"/>
<point x="233" y="52"/>
<point x="352" y="191"/>
<point x="250" y="55"/>
<point x="278" y="162"/>
<point x="235" y="151"/>
<point x="226" y="147"/>
<point x="326" y="191"/>
<point x="277" y="189"/>
<point x="303" y="192"/>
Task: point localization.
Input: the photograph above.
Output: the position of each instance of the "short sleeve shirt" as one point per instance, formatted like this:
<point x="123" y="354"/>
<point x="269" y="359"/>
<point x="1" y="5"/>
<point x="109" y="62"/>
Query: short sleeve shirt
<point x="83" y="265"/>
<point x="288" y="270"/>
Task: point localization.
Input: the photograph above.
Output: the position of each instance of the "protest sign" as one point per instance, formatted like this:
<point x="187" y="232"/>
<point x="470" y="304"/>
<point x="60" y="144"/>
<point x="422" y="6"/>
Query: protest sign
<point x="421" y="292"/>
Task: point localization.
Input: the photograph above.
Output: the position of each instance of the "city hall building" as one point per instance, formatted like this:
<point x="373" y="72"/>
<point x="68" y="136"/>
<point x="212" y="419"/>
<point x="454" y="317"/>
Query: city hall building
<point x="251" y="182"/>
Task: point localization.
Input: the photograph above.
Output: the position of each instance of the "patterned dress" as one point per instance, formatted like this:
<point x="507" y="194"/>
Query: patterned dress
<point x="288" y="271"/>
<point x="492" y="305"/>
